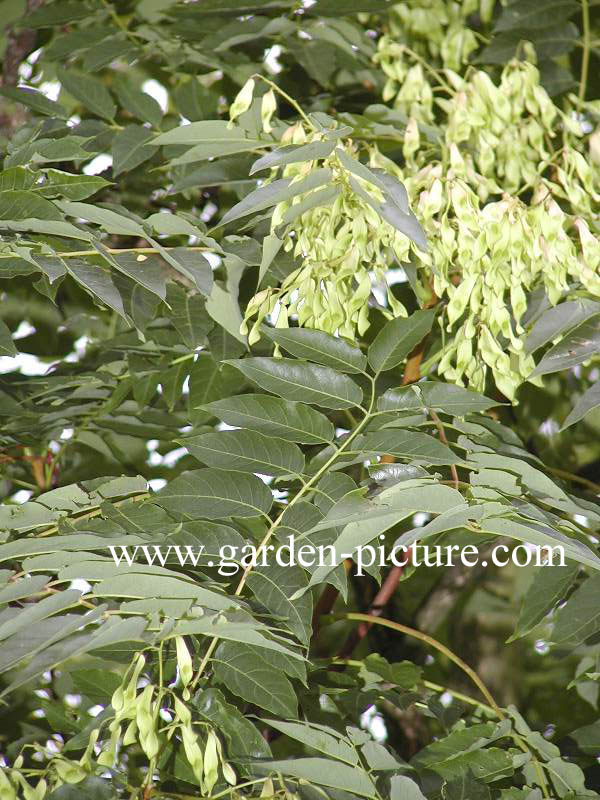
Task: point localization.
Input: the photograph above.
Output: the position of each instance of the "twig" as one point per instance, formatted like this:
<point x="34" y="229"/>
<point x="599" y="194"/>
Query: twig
<point x="380" y="601"/>
<point x="585" y="56"/>
<point x="415" y="634"/>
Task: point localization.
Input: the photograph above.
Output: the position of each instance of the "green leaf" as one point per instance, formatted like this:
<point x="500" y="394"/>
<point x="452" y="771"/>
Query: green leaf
<point x="140" y="585"/>
<point x="40" y="610"/>
<point x="549" y="42"/>
<point x="58" y="13"/>
<point x="568" y="779"/>
<point x="188" y="315"/>
<point x="109" y="220"/>
<point x="69" y="186"/>
<point x="579" y="618"/>
<point x="243" y="739"/>
<point x="364" y="519"/>
<point x="277" y="192"/>
<point x="90" y="92"/>
<point x="404" y="674"/>
<point x="7" y="345"/>
<point x="443" y="397"/>
<point x="556" y="321"/>
<point x="224" y="309"/>
<point x="130" y="148"/>
<point x="215" y="493"/>
<point x="272" y="416"/>
<point x="586" y="403"/>
<point x="529" y="14"/>
<point x="98" y="282"/>
<point x="20" y="204"/>
<point x="250" y="676"/>
<point x="96" y="684"/>
<point x="538" y="534"/>
<point x="137" y="102"/>
<point x="548" y="588"/>
<point x="247" y="451"/>
<point x="318" y="346"/>
<point x="578" y="345"/>
<point x="588" y="738"/>
<point x="273" y="586"/>
<point x="454" y="400"/>
<point x="398" y="338"/>
<point x="418" y="447"/>
<point x="34" y="100"/>
<point x="319" y="737"/>
<point x="403" y="788"/>
<point x="149" y="272"/>
<point x="213" y="130"/>
<point x="325" y="772"/>
<point x="192" y="264"/>
<point x="292" y="154"/>
<point x="295" y="380"/>
<point x="465" y="787"/>
<point x="23" y="588"/>
<point x="320" y="197"/>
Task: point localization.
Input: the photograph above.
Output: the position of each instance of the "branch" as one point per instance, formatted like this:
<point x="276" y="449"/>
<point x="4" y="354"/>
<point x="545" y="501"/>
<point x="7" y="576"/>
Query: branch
<point x="381" y="599"/>
<point x="19" y="46"/>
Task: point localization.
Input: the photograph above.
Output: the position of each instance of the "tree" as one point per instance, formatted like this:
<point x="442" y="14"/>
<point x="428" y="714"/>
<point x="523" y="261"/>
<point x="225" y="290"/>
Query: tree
<point x="298" y="279"/>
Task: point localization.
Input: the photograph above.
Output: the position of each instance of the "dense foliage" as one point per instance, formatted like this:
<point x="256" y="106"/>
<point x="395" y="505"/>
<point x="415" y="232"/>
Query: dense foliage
<point x="327" y="270"/>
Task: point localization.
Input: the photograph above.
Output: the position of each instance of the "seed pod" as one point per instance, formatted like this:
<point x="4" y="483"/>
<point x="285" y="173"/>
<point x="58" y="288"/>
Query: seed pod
<point x="7" y="791"/>
<point x="242" y="101"/>
<point x="184" y="661"/>
<point x="193" y="752"/>
<point x="229" y="773"/>
<point x="267" y="109"/>
<point x="211" y="763"/>
<point x="182" y="712"/>
<point x="86" y="759"/>
<point x="68" y="771"/>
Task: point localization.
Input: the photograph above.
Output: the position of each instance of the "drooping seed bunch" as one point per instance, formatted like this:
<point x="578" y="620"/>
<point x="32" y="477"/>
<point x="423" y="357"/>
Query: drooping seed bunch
<point x="507" y="206"/>
<point x="137" y="709"/>
<point x="343" y="243"/>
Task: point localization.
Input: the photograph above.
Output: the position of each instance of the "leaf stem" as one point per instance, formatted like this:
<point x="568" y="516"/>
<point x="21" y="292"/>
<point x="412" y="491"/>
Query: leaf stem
<point x="113" y="251"/>
<point x="275" y="524"/>
<point x="286" y="97"/>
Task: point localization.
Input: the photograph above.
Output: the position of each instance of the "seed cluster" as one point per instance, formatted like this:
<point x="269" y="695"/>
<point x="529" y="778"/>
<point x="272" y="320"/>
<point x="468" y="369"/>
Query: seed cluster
<point x="507" y="205"/>
<point x="344" y="248"/>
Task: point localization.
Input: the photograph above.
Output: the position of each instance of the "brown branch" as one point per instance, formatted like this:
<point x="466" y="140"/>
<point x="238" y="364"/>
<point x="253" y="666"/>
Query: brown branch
<point x="380" y="601"/>
<point x="19" y="46"/>
<point x="324" y="605"/>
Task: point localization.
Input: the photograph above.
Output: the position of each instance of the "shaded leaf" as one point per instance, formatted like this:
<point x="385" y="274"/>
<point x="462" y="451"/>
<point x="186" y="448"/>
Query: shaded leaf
<point x="251" y="677"/>
<point x="548" y="588"/>
<point x="90" y="92"/>
<point x="586" y="403"/>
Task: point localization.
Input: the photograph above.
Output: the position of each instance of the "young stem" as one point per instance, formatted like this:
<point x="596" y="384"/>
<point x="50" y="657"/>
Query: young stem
<point x="286" y="97"/>
<point x="275" y="524"/>
<point x="415" y="634"/>
<point x="585" y="56"/>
